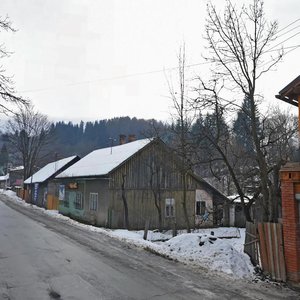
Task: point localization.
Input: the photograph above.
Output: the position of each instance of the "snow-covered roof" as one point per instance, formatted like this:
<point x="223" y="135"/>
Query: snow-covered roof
<point x="4" y="177"/>
<point x="102" y="161"/>
<point x="19" y="168"/>
<point x="48" y="170"/>
<point x="237" y="198"/>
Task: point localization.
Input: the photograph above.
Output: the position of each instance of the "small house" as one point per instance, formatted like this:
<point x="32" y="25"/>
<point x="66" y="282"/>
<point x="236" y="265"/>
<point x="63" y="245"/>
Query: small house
<point x="16" y="175"/>
<point x="43" y="191"/>
<point x="137" y="182"/>
<point x="4" y="181"/>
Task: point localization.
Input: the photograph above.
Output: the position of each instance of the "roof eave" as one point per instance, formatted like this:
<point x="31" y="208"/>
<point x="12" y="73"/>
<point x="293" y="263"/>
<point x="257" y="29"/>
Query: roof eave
<point x="287" y="100"/>
<point x="81" y="177"/>
<point x="290" y="86"/>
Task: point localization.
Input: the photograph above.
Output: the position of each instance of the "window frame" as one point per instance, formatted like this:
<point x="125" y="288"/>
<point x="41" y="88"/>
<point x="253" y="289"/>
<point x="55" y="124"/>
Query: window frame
<point x="202" y="208"/>
<point x="79" y="201"/>
<point x="170" y="208"/>
<point x="93" y="201"/>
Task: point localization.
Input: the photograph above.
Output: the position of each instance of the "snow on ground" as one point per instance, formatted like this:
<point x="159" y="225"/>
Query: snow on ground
<point x="217" y="249"/>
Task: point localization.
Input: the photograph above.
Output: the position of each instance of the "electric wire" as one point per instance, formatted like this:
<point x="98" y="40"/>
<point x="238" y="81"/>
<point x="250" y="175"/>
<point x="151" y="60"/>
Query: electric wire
<point x="287" y="31"/>
<point x="288" y="25"/>
<point x="112" y="78"/>
<point x="171" y="68"/>
<point x="139" y="73"/>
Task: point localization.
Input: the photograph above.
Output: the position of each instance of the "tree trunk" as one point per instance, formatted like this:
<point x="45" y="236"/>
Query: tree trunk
<point x="186" y="217"/>
<point x="275" y="194"/>
<point x="126" y="219"/>
<point x="158" y="208"/>
<point x="261" y="160"/>
<point x="247" y="213"/>
<point x="156" y="190"/>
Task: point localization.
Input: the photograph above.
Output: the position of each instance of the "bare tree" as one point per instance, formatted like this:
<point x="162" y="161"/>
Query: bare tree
<point x="7" y="91"/>
<point x="29" y="133"/>
<point x="155" y="185"/>
<point x="181" y="127"/>
<point x="279" y="144"/>
<point x="239" y="42"/>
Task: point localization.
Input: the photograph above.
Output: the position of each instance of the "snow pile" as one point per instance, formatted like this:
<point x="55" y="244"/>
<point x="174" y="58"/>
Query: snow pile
<point x="205" y="248"/>
<point x="153" y="236"/>
<point x="10" y="194"/>
<point x="210" y="252"/>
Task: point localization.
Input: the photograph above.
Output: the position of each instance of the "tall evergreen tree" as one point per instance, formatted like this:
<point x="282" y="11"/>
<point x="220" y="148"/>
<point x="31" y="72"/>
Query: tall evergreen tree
<point x="242" y="126"/>
<point x="3" y="160"/>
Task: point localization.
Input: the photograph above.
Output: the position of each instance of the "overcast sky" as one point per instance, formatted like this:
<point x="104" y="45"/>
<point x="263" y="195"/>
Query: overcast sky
<point x="96" y="59"/>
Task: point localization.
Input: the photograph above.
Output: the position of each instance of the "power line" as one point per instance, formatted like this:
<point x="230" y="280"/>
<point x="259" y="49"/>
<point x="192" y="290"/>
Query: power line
<point x="171" y="68"/>
<point x="142" y="73"/>
<point x="137" y="74"/>
<point x="293" y="49"/>
<point x="288" y="31"/>
<point x="112" y="78"/>
<point x="283" y="41"/>
<point x="269" y="50"/>
<point x="295" y="46"/>
<point x="288" y="25"/>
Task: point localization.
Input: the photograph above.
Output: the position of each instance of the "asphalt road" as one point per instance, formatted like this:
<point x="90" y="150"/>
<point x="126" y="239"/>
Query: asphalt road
<point x="43" y="258"/>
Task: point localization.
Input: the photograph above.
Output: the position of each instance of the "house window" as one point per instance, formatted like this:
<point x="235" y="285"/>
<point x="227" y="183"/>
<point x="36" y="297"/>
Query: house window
<point x="170" y="208"/>
<point x="93" y="201"/>
<point x="61" y="192"/>
<point x="200" y="208"/>
<point x="79" y="201"/>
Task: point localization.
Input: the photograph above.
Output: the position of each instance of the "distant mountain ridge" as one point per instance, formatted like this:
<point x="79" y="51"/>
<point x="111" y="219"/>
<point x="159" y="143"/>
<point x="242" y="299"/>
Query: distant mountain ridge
<point x="80" y="139"/>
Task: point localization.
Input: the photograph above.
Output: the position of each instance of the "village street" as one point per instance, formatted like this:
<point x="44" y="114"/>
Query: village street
<point x="42" y="258"/>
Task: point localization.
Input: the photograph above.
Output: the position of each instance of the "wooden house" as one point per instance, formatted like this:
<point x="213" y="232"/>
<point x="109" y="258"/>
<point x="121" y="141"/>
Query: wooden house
<point x="143" y="176"/>
<point x="42" y="191"/>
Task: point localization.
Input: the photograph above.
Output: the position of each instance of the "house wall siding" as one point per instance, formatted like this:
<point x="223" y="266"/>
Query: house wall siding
<point x="153" y="170"/>
<point x="141" y="206"/>
<point x="100" y="186"/>
<point x="40" y="199"/>
<point x="70" y="197"/>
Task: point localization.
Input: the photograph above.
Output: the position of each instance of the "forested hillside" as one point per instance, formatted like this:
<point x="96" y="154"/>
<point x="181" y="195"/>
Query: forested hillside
<point x="69" y="138"/>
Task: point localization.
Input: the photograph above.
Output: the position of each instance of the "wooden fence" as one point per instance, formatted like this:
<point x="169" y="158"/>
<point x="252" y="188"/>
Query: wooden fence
<point x="251" y="242"/>
<point x="268" y="239"/>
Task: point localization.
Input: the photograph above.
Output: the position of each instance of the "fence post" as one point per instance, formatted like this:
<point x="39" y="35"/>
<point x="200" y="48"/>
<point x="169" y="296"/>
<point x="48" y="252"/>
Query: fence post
<point x="147" y="223"/>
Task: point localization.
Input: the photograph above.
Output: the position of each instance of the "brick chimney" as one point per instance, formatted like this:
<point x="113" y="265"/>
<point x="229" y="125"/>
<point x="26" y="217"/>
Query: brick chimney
<point x="122" y="140"/>
<point x="131" y="138"/>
